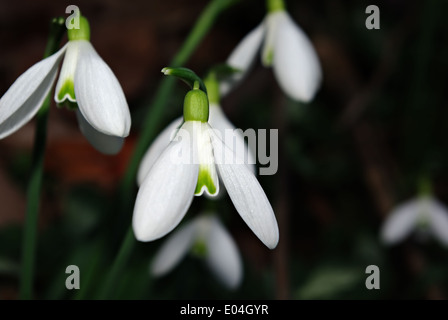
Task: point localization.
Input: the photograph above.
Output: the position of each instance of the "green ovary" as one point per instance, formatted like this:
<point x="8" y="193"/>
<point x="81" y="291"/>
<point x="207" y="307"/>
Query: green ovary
<point x="205" y="179"/>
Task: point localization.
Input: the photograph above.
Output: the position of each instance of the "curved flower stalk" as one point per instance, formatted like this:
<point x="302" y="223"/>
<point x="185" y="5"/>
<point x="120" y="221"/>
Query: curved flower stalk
<point x="85" y="81"/>
<point x="217" y="120"/>
<point x="284" y="47"/>
<point x="206" y="237"/>
<point x="189" y="166"/>
<point x="424" y="214"/>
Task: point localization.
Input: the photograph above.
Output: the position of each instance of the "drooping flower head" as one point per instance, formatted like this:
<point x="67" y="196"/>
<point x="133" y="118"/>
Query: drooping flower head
<point x="284" y="47"/>
<point x="85" y="82"/>
<point x="205" y="237"/>
<point x="189" y="166"/>
<point x="424" y="214"/>
<point x="217" y="120"/>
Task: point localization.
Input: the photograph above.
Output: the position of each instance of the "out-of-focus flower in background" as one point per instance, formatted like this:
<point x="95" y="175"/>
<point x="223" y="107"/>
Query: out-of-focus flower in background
<point x="286" y="48"/>
<point x="85" y="81"/>
<point x="205" y="237"/>
<point x="424" y="214"/>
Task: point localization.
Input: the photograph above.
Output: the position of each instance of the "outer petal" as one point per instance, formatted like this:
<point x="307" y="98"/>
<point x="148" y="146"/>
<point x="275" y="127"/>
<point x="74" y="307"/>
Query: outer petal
<point x="219" y="121"/>
<point x="242" y="57"/>
<point x="159" y="144"/>
<point x="26" y="95"/>
<point x="246" y="194"/>
<point x="438" y="221"/>
<point x="223" y="257"/>
<point x="174" y="249"/>
<point x="296" y="64"/>
<point x="102" y="142"/>
<point x="165" y="194"/>
<point x="98" y="92"/>
<point x="401" y="221"/>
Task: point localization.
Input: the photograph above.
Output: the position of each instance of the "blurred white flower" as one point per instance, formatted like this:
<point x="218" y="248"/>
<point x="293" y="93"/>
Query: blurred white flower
<point x="187" y="167"/>
<point x="286" y="48"/>
<point x="423" y="214"/>
<point x="85" y="79"/>
<point x="206" y="236"/>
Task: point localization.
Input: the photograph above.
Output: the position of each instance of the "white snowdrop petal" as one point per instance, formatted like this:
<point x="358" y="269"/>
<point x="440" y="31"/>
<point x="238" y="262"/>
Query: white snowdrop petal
<point x="158" y="145"/>
<point x="242" y="57"/>
<point x="296" y="64"/>
<point x="99" y="95"/>
<point x="223" y="256"/>
<point x="235" y="138"/>
<point x="165" y="194"/>
<point x="401" y="221"/>
<point x="438" y="221"/>
<point x="246" y="194"/>
<point x="102" y="142"/>
<point x="26" y="95"/>
<point x="174" y="249"/>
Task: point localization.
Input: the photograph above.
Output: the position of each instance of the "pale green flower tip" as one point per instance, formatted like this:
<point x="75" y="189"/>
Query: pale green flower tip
<point x="199" y="249"/>
<point x="196" y="105"/>
<point x="67" y="92"/>
<point x="205" y="181"/>
<point x="81" y="33"/>
<point x="59" y="21"/>
<point x="275" y="5"/>
<point x="212" y="85"/>
<point x="268" y="58"/>
<point x="166" y="71"/>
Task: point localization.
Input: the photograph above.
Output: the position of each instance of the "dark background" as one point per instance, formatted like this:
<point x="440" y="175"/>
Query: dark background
<point x="377" y="124"/>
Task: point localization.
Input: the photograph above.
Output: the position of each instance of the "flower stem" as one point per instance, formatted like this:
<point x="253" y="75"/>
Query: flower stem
<point x="275" y="5"/>
<point x="156" y="110"/>
<point x="35" y="182"/>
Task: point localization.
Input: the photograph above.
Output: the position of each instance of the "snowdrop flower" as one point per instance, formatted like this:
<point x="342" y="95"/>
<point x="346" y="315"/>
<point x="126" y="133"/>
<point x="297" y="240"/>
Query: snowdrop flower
<point x="189" y="166"/>
<point x="425" y="214"/>
<point x="206" y="237"/>
<point x="85" y="80"/>
<point x="217" y="120"/>
<point x="286" y="48"/>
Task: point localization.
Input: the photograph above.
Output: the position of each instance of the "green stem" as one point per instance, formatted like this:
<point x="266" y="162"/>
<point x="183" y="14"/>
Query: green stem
<point x="275" y="5"/>
<point x="152" y="118"/>
<point x="35" y="182"/>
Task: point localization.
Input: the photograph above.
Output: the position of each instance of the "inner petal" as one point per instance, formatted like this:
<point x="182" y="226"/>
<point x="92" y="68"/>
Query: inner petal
<point x="65" y="88"/>
<point x="208" y="176"/>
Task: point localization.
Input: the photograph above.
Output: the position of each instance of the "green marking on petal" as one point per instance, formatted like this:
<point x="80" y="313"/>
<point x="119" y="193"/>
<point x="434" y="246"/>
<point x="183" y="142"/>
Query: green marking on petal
<point x="68" y="104"/>
<point x="199" y="249"/>
<point x="268" y="58"/>
<point x="205" y="180"/>
<point x="67" y="91"/>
